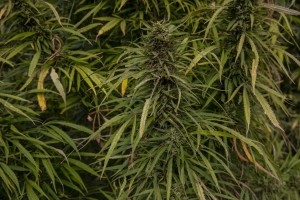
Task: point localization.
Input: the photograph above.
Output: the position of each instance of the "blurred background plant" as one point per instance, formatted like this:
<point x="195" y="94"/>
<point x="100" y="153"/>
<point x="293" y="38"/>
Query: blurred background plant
<point x="140" y="99"/>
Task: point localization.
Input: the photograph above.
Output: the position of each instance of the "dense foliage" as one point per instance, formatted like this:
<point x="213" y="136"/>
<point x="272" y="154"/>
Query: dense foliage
<point x="149" y="99"/>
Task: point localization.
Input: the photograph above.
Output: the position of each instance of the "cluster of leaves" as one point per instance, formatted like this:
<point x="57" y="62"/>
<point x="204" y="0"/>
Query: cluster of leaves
<point x="140" y="99"/>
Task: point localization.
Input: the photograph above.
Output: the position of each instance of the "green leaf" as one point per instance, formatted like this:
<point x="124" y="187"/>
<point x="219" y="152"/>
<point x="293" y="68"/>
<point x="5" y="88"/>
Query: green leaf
<point x="13" y="97"/>
<point x="21" y="36"/>
<point x="123" y="2"/>
<point x="30" y="192"/>
<point x="6" y="61"/>
<point x="85" y="77"/>
<point x="65" y="136"/>
<point x="91" y="12"/>
<point x="17" y="50"/>
<point x="123" y="27"/>
<point x="247" y="111"/>
<point x="77" y="33"/>
<point x="58" y="85"/>
<point x="142" y="123"/>
<point x="169" y="177"/>
<point x="5" y="179"/>
<point x="113" y="143"/>
<point x="13" y="108"/>
<point x="211" y="171"/>
<point x="83" y="166"/>
<point x="50" y="170"/>
<point x="37" y="188"/>
<point x="34" y="62"/>
<point x="111" y="24"/>
<point x="72" y="125"/>
<point x="75" y="176"/>
<point x="255" y="63"/>
<point x="240" y="46"/>
<point x="11" y="175"/>
<point x="199" y="56"/>
<point x="54" y="12"/>
<point x="268" y="110"/>
<point x="212" y="20"/>
<point x="24" y="151"/>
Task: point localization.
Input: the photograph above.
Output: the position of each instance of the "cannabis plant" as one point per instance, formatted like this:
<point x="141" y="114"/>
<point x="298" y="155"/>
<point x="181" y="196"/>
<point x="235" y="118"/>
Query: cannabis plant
<point x="140" y="99"/>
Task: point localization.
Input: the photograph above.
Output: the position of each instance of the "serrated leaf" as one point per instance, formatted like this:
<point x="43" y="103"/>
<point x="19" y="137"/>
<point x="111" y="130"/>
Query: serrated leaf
<point x="58" y="85"/>
<point x="88" y="27"/>
<point x="212" y="20"/>
<point x="5" y="179"/>
<point x="267" y="109"/>
<point x="211" y="171"/>
<point x="24" y="151"/>
<point x="37" y="188"/>
<point x="6" y="61"/>
<point x="122" y="4"/>
<point x="255" y="63"/>
<point x="123" y="27"/>
<point x="31" y="193"/>
<point x="13" y="108"/>
<point x="34" y="62"/>
<point x="124" y="87"/>
<point x="65" y="136"/>
<point x="240" y="46"/>
<point x="11" y="175"/>
<point x="199" y="56"/>
<point x="113" y="143"/>
<point x="75" y="176"/>
<point x="83" y="166"/>
<point x="50" y="170"/>
<point x="111" y="24"/>
<point x="54" y="12"/>
<point x="169" y="178"/>
<point x="279" y="8"/>
<point x="142" y="123"/>
<point x="17" y="50"/>
<point x="21" y="36"/>
<point x="247" y="111"/>
<point x="85" y="77"/>
<point x="13" y="97"/>
<point x="197" y="185"/>
<point x="91" y="12"/>
<point x="77" y="33"/>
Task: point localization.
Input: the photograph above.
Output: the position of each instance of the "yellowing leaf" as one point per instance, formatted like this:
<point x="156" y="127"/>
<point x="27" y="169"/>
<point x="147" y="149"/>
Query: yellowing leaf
<point x="41" y="96"/>
<point x="2" y="11"/>
<point x="58" y="85"/>
<point x="124" y="87"/>
<point x="248" y="154"/>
